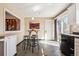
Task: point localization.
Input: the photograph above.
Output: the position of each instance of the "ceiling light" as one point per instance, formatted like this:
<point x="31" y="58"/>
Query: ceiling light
<point x="32" y="18"/>
<point x="36" y="8"/>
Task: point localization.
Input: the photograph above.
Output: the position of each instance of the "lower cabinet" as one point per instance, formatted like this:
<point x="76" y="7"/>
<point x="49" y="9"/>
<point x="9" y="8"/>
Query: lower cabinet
<point x="8" y="46"/>
<point x="76" y="46"/>
<point x="1" y="48"/>
<point x="67" y="45"/>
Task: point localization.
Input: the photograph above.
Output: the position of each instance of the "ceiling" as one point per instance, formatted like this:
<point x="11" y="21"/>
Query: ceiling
<point x="44" y="10"/>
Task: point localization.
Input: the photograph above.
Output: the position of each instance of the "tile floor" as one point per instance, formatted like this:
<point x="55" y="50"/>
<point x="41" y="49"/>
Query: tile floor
<point x="47" y="48"/>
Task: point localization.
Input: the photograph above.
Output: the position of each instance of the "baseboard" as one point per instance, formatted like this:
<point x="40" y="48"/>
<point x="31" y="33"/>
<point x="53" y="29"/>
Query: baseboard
<point x="20" y="42"/>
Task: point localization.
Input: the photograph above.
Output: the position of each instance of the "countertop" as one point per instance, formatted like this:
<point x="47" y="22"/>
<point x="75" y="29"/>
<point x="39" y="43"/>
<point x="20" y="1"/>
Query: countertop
<point x="74" y="35"/>
<point x="9" y="33"/>
<point x="3" y="35"/>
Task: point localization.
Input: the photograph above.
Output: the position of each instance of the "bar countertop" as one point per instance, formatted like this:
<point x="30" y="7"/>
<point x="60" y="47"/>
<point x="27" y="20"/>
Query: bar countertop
<point x="74" y="35"/>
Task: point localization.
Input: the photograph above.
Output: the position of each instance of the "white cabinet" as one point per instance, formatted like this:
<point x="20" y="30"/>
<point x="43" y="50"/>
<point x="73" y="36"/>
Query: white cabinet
<point x="76" y="46"/>
<point x="10" y="45"/>
<point x="1" y="47"/>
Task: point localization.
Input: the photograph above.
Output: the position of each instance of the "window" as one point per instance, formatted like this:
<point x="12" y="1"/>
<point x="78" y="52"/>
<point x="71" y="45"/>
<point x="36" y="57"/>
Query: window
<point x="64" y="24"/>
<point x="77" y="17"/>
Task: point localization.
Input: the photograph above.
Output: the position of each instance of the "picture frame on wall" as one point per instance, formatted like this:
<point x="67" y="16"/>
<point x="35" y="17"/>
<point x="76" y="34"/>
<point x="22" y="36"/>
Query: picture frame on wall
<point x="34" y="25"/>
<point x="12" y="23"/>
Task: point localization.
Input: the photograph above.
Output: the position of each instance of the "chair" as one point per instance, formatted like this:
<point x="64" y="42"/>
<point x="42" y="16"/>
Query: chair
<point x="33" y="38"/>
<point x="34" y="42"/>
<point x="26" y="42"/>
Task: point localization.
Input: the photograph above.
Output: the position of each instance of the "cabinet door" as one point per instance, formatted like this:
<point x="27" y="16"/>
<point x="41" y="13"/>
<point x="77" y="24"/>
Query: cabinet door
<point x="8" y="46"/>
<point x="77" y="46"/>
<point x="11" y="45"/>
<point x="1" y="48"/>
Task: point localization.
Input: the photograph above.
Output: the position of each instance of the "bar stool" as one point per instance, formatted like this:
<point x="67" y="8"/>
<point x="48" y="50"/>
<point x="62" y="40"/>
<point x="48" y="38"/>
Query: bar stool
<point x="34" y="43"/>
<point x="26" y="42"/>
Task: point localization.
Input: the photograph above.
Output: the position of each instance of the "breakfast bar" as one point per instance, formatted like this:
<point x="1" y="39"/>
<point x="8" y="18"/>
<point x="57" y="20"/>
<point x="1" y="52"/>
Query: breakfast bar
<point x="69" y="44"/>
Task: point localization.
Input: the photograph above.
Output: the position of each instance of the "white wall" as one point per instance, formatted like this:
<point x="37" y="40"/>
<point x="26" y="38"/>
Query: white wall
<point x="41" y="30"/>
<point x="1" y="18"/>
<point x="41" y="33"/>
<point x="16" y="12"/>
<point x="76" y="27"/>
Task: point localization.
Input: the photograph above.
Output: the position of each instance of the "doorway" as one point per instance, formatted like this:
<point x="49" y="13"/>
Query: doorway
<point x="55" y="30"/>
<point x="49" y="34"/>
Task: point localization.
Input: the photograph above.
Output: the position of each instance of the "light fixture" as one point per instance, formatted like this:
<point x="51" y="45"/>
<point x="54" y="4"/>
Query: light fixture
<point x="32" y="18"/>
<point x="36" y="8"/>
